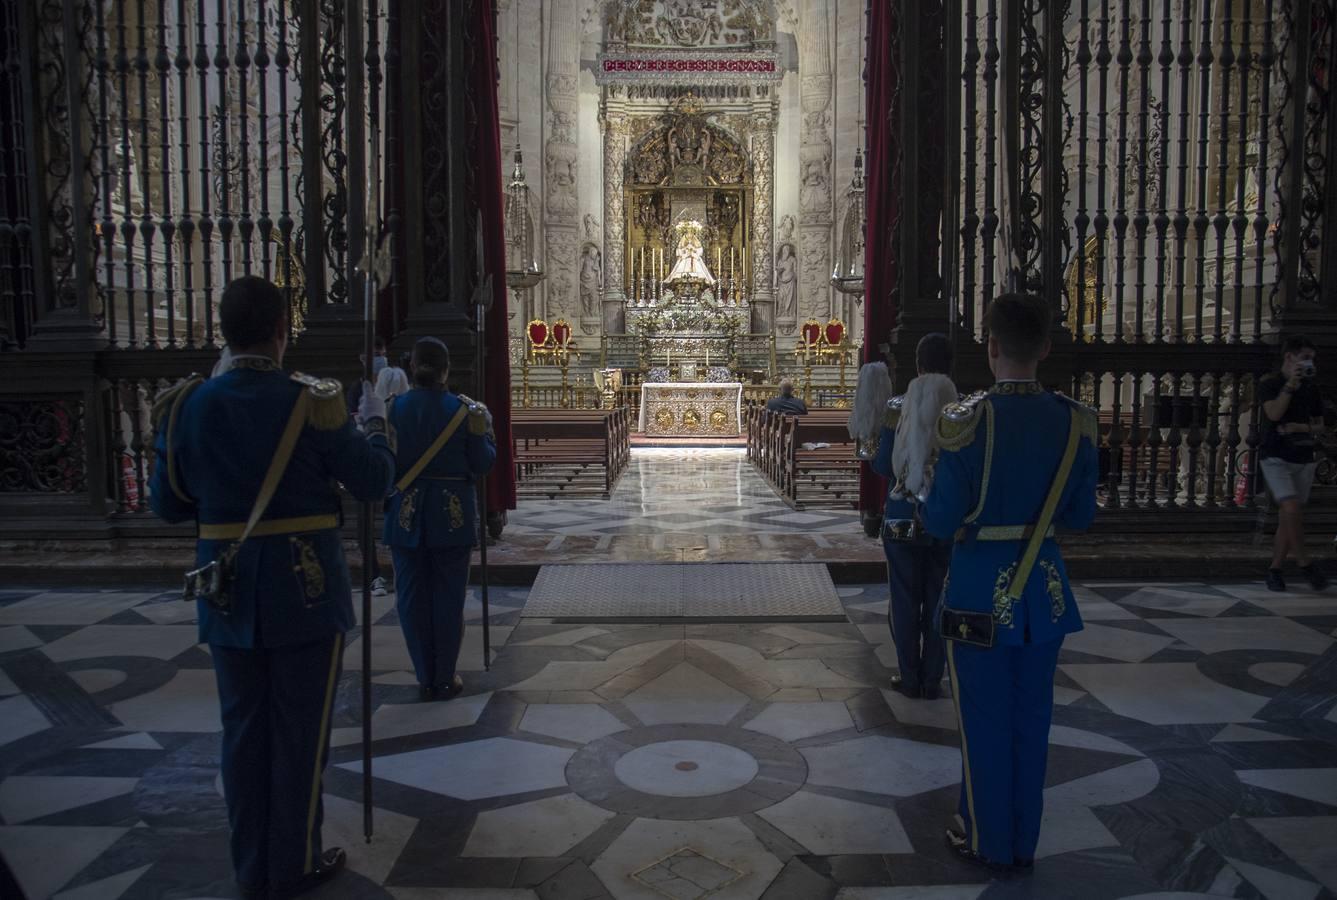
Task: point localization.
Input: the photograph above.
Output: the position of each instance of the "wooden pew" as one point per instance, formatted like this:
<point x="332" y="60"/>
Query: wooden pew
<point x="562" y="452"/>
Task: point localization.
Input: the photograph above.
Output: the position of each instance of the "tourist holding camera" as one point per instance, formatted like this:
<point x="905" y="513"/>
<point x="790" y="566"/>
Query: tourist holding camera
<point x="1292" y="417"/>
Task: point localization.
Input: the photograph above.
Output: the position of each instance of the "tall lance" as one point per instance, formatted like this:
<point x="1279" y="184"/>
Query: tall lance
<point x="482" y="303"/>
<point x="375" y="266"/>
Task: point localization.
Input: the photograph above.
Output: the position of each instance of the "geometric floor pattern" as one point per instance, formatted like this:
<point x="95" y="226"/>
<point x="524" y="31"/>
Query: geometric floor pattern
<point x="1194" y="753"/>
<point x="704" y="491"/>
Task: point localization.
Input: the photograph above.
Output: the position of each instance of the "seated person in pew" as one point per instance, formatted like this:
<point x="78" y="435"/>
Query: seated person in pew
<point x="787" y="403"/>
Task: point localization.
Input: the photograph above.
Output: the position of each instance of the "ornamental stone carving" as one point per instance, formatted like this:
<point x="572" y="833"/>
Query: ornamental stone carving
<point x="615" y="164"/>
<point x="682" y="147"/>
<point x="687" y="23"/>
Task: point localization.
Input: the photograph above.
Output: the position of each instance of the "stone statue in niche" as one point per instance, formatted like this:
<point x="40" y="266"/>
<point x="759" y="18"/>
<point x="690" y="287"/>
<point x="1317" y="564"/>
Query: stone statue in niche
<point x="786" y="282"/>
<point x="813" y="192"/>
<point x="591" y="228"/>
<point x="591" y="279"/>
<point x="786" y="231"/>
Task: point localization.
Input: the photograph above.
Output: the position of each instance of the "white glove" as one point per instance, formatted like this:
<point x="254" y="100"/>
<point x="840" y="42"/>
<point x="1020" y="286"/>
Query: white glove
<point x="370" y="406"/>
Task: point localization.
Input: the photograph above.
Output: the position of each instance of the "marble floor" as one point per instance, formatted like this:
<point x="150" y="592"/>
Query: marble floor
<point x="682" y="505"/>
<point x="712" y="491"/>
<point x="1194" y="753"/>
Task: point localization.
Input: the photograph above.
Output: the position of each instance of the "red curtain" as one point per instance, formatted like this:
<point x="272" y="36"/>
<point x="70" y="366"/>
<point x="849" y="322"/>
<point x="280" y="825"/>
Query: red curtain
<point x="879" y="316"/>
<point x="497" y="368"/>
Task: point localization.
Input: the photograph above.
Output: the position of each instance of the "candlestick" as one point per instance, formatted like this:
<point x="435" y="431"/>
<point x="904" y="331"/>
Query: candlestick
<point x="718" y="270"/>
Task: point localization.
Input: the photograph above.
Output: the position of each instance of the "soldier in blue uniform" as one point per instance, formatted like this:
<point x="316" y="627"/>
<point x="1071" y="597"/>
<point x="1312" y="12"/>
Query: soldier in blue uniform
<point x="445" y="444"/>
<point x="916" y="561"/>
<point x="276" y="633"/>
<point x="1014" y="462"/>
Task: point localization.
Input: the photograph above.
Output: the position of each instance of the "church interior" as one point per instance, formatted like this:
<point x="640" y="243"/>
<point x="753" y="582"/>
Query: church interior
<point x="634" y="225"/>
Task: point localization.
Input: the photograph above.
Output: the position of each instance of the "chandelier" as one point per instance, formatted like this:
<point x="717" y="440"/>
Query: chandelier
<point x="523" y="269"/>
<point x="847" y="277"/>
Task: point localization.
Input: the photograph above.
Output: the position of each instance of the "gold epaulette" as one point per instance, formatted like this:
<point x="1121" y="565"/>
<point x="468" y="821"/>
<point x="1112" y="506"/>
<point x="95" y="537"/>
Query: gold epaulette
<point x="478" y="415"/>
<point x="894" y="406"/>
<point x="327" y="411"/>
<point x="1088" y="422"/>
<point x="957" y="424"/>
<point x="168" y="405"/>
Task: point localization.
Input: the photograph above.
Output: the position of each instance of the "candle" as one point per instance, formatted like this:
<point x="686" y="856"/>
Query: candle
<point x="707" y="357"/>
<point x="717" y="260"/>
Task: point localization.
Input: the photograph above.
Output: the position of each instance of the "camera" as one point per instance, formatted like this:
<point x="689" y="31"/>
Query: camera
<point x="1305" y="368"/>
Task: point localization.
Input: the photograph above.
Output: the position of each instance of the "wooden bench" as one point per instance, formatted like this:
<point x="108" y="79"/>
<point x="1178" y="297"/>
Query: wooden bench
<point x="824" y="476"/>
<point x="569" y="452"/>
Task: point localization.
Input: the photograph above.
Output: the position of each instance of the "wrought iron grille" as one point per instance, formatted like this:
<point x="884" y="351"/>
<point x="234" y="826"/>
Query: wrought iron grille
<point x="1159" y="171"/>
<point x="215" y="144"/>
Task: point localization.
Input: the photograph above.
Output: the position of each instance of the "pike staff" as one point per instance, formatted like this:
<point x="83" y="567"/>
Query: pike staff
<point x="375" y="267"/>
<point x="482" y="303"/>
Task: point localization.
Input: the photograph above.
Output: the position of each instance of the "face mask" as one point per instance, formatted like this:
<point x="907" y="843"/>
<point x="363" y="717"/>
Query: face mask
<point x="377" y="363"/>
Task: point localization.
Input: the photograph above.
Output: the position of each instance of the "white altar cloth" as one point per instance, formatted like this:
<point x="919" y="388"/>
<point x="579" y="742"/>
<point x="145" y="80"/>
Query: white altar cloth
<point x="691" y="409"/>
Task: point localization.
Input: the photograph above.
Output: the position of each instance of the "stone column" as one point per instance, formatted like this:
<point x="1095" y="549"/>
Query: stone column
<point x="616" y="131"/>
<point x="814" y="168"/>
<point x="561" y="164"/>
<point x="763" y="213"/>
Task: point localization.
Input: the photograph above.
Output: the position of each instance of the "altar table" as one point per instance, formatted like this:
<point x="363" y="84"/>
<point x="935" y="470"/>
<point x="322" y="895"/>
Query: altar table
<point x="691" y="409"/>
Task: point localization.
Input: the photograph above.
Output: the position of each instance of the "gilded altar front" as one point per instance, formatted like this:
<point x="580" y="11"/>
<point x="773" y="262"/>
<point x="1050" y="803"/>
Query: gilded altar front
<point x="691" y="410"/>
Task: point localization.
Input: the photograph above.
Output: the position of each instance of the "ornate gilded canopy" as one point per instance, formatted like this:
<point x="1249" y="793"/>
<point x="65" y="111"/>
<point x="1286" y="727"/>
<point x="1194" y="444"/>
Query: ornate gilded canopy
<point x="685" y="150"/>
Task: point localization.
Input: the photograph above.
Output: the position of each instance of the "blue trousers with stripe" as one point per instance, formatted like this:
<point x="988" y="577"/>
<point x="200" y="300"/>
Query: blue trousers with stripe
<point x="430" y="587"/>
<point x="1005" y="701"/>
<point x="915" y="573"/>
<point x="277" y="704"/>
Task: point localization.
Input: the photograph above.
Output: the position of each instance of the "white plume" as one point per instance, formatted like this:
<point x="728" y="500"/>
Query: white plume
<point x="912" y="455"/>
<point x="870" y="401"/>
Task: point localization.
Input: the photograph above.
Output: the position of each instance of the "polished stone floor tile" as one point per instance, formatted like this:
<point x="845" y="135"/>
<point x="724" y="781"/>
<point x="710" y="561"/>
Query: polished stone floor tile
<point x="576" y="722"/>
<point x="45" y="858"/>
<point x="685" y="694"/>
<point x="1165" y="693"/>
<point x="1308" y="840"/>
<point x="795" y="721"/>
<point x="1308" y="784"/>
<point x="471" y="771"/>
<point x="828" y="825"/>
<point x="549" y="827"/>
<point x="109" y="888"/>
<point x="189" y="702"/>
<point x="725" y="842"/>
<point x="883" y="765"/>
<point x="1220" y="635"/>
<point x="393" y="720"/>
<point x="1191" y="755"/>
<point x="157" y="641"/>
<point x="75" y="608"/>
<point x="1116" y="643"/>
<point x="24" y="798"/>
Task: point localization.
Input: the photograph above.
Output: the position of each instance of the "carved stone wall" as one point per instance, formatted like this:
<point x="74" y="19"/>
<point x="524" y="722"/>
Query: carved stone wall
<point x="561" y="161"/>
<point x="815" y="156"/>
<point x="616" y="135"/>
<point x="763" y="212"/>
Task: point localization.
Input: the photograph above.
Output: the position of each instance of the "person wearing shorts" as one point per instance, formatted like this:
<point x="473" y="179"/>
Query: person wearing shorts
<point x="1292" y="416"/>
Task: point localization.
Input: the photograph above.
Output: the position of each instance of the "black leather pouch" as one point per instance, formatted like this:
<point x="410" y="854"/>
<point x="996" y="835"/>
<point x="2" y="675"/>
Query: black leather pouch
<point x="966" y="627"/>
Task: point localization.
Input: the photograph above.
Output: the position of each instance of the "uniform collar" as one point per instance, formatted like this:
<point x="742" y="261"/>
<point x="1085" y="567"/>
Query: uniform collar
<point x="1019" y="387"/>
<point x="255" y="362"/>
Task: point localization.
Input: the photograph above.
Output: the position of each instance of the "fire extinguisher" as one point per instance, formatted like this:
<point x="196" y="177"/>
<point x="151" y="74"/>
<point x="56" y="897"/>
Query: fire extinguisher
<point x="1242" y="482"/>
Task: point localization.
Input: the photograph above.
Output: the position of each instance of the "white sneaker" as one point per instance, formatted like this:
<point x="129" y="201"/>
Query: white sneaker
<point x="378" y="587"/>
